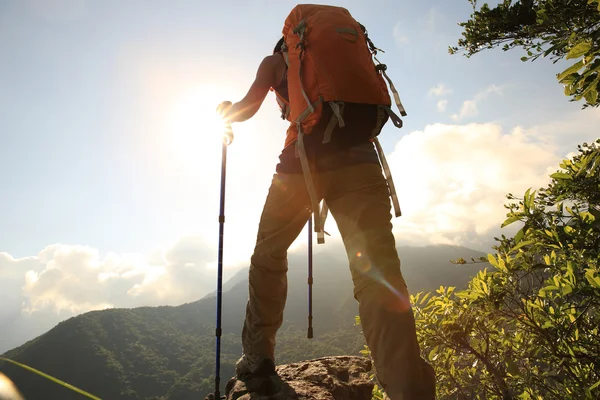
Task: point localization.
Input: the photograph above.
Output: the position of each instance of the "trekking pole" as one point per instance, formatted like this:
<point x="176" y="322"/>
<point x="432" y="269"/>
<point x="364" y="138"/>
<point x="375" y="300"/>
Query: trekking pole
<point x="227" y="139"/>
<point x="310" y="278"/>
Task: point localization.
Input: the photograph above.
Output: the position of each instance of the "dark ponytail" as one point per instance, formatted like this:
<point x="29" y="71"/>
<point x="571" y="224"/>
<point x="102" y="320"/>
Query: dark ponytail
<point x="278" y="46"/>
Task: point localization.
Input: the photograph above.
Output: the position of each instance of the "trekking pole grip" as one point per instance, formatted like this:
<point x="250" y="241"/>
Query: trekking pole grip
<point x="228" y="134"/>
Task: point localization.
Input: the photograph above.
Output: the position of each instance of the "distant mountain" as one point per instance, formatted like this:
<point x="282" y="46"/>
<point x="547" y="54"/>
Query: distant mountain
<point x="240" y="276"/>
<point x="167" y="353"/>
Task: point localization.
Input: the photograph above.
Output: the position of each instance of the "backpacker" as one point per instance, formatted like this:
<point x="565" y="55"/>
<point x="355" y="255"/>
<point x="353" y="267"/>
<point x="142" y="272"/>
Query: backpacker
<point x="330" y="62"/>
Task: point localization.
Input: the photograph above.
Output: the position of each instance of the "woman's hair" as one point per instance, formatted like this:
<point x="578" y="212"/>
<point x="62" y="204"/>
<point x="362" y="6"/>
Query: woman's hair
<point x="278" y="46"/>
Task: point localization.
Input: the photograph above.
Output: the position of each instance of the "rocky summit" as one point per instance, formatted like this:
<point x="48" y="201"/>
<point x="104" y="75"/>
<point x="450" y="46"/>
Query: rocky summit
<point x="328" y="378"/>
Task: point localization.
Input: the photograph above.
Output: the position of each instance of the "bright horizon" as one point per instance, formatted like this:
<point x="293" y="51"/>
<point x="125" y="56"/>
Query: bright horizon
<point x="110" y="164"/>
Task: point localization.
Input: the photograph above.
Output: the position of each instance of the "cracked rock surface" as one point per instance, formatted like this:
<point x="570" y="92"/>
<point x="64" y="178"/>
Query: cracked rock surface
<point x="328" y="378"/>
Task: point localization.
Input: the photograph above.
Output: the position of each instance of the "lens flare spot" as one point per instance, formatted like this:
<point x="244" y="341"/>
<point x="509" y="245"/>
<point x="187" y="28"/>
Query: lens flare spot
<point x="364" y="266"/>
<point x="359" y="254"/>
<point x="396" y="301"/>
<point x="398" y="304"/>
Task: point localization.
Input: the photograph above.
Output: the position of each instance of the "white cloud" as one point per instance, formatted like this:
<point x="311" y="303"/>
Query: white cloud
<point x="469" y="107"/>
<point x="65" y="280"/>
<point x="459" y="177"/>
<point x="442" y="105"/>
<point x="71" y="279"/>
<point x="439" y="90"/>
<point x="12" y="279"/>
<point x="399" y="36"/>
<point x="76" y="279"/>
<point x="491" y="89"/>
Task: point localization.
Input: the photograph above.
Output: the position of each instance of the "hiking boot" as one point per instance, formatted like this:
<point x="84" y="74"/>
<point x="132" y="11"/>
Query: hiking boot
<point x="211" y="396"/>
<point x="256" y="373"/>
<point x="253" y="366"/>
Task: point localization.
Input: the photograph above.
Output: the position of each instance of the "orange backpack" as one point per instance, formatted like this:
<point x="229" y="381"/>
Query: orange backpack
<point x="330" y="62"/>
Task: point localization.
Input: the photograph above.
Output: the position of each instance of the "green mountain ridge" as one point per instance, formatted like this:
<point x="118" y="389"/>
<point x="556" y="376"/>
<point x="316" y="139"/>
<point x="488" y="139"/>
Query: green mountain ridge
<point x="168" y="352"/>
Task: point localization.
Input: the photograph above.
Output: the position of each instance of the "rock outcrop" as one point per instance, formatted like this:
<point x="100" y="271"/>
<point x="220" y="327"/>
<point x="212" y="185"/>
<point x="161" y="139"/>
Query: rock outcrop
<point x="328" y="378"/>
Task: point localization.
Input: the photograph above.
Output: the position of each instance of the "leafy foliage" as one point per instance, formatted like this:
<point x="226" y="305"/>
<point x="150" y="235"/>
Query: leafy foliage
<point x="561" y="29"/>
<point x="528" y="327"/>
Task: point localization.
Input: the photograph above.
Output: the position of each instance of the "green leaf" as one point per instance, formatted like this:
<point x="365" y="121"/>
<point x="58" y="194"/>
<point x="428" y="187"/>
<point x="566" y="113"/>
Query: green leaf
<point x="509" y="221"/>
<point x="597" y="384"/>
<point x="465" y="294"/>
<point x="525" y="396"/>
<point x="551" y="49"/>
<point x="523" y="244"/>
<point x="433" y="354"/>
<point x="519" y="235"/>
<point x="592" y="279"/>
<point x="512" y="368"/>
<point x="591" y="95"/>
<point x="572" y="69"/>
<point x="569" y="89"/>
<point x="502" y="265"/>
<point x="484" y="287"/>
<point x="561" y="175"/>
<point x="579" y="50"/>
<point x="526" y="196"/>
<point x="587" y="217"/>
<point x="492" y="260"/>
<point x="529" y="199"/>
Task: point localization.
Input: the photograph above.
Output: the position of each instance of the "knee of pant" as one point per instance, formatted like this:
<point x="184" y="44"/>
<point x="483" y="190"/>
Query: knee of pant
<point x="368" y="259"/>
<point x="269" y="261"/>
<point x="386" y="275"/>
<point x="387" y="294"/>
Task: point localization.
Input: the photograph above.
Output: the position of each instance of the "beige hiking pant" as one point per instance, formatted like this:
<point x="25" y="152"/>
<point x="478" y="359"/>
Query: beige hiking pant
<point x="358" y="199"/>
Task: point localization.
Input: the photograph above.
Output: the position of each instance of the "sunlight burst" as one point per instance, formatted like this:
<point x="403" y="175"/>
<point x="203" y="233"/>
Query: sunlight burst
<point x="195" y="129"/>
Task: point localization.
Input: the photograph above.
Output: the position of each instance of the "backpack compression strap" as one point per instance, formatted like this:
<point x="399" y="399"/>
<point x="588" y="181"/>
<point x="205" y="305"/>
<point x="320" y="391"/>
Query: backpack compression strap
<point x="382" y="67"/>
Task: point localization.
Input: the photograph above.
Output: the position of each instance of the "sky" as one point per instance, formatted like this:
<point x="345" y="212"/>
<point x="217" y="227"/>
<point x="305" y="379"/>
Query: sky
<point x="110" y="152"/>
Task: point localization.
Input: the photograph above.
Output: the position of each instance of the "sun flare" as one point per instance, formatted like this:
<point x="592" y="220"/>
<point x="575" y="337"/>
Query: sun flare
<point x="195" y="130"/>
